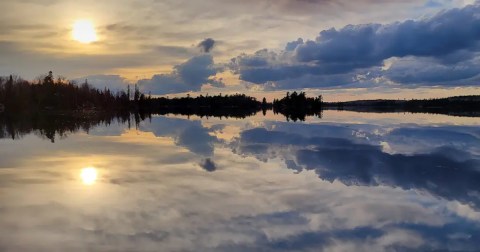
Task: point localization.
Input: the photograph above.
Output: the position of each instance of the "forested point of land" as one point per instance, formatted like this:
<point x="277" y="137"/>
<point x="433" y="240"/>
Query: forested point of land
<point x="61" y="96"/>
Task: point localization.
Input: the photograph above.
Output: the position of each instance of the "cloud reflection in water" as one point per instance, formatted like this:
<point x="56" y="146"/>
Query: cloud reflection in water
<point x="351" y="191"/>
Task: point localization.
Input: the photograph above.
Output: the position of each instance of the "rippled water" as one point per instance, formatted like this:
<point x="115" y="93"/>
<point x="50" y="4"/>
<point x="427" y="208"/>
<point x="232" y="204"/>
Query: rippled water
<point x="346" y="182"/>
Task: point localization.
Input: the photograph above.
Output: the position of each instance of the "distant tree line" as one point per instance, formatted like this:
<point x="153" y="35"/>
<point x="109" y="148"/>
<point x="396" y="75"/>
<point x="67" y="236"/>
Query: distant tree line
<point x="48" y="93"/>
<point x="58" y="95"/>
<point x="457" y="105"/>
<point x="236" y="105"/>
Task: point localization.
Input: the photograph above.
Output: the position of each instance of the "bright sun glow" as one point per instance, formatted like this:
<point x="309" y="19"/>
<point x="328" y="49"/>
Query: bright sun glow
<point x="84" y="32"/>
<point x="89" y="175"/>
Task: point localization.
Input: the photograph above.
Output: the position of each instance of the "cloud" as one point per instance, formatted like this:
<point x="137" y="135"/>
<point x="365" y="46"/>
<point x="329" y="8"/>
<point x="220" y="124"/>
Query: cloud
<point x="434" y="37"/>
<point x="186" y="77"/>
<point x="291" y="46"/>
<point x="207" y="45"/>
<point x="449" y="40"/>
<point x="112" y="82"/>
<point x="305" y="7"/>
<point x="170" y="51"/>
<point x="20" y="59"/>
<point x="208" y="165"/>
<point x="427" y="71"/>
<point x="40" y="2"/>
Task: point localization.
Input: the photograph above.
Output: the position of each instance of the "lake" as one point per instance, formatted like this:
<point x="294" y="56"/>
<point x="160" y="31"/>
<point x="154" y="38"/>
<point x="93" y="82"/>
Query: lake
<point x="345" y="182"/>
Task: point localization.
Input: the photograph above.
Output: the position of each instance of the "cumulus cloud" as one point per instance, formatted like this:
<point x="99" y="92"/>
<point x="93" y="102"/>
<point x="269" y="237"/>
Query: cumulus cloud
<point x="291" y="46"/>
<point x="448" y="40"/>
<point x="369" y="45"/>
<point x="207" y="45"/>
<point x="426" y="71"/>
<point x="186" y="77"/>
<point x="111" y="82"/>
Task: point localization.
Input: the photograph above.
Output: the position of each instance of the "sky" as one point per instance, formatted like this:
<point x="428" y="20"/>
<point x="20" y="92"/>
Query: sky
<point x="343" y="49"/>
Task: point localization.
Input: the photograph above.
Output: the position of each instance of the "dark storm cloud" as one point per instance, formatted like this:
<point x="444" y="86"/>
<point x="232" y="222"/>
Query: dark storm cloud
<point x="206" y="45"/>
<point x="447" y="38"/>
<point x="186" y="77"/>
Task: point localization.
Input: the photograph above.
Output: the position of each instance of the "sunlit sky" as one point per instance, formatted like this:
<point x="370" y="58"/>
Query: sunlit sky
<point x="343" y="49"/>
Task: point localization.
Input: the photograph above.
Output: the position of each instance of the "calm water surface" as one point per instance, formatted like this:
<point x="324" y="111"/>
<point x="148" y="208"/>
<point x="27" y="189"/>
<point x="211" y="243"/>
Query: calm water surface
<point x="346" y="182"/>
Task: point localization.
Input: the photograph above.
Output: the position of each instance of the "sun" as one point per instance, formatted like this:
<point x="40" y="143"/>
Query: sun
<point x="89" y="175"/>
<point x="84" y="31"/>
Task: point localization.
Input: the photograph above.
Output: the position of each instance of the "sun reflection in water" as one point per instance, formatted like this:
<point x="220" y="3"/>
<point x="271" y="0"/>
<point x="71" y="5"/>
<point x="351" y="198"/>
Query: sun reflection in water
<point x="89" y="175"/>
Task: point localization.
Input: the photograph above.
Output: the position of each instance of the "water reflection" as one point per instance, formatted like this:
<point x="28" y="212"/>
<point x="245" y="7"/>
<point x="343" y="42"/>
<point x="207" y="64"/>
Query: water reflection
<point x="445" y="167"/>
<point x="346" y="183"/>
<point x="50" y="127"/>
<point x="89" y="175"/>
